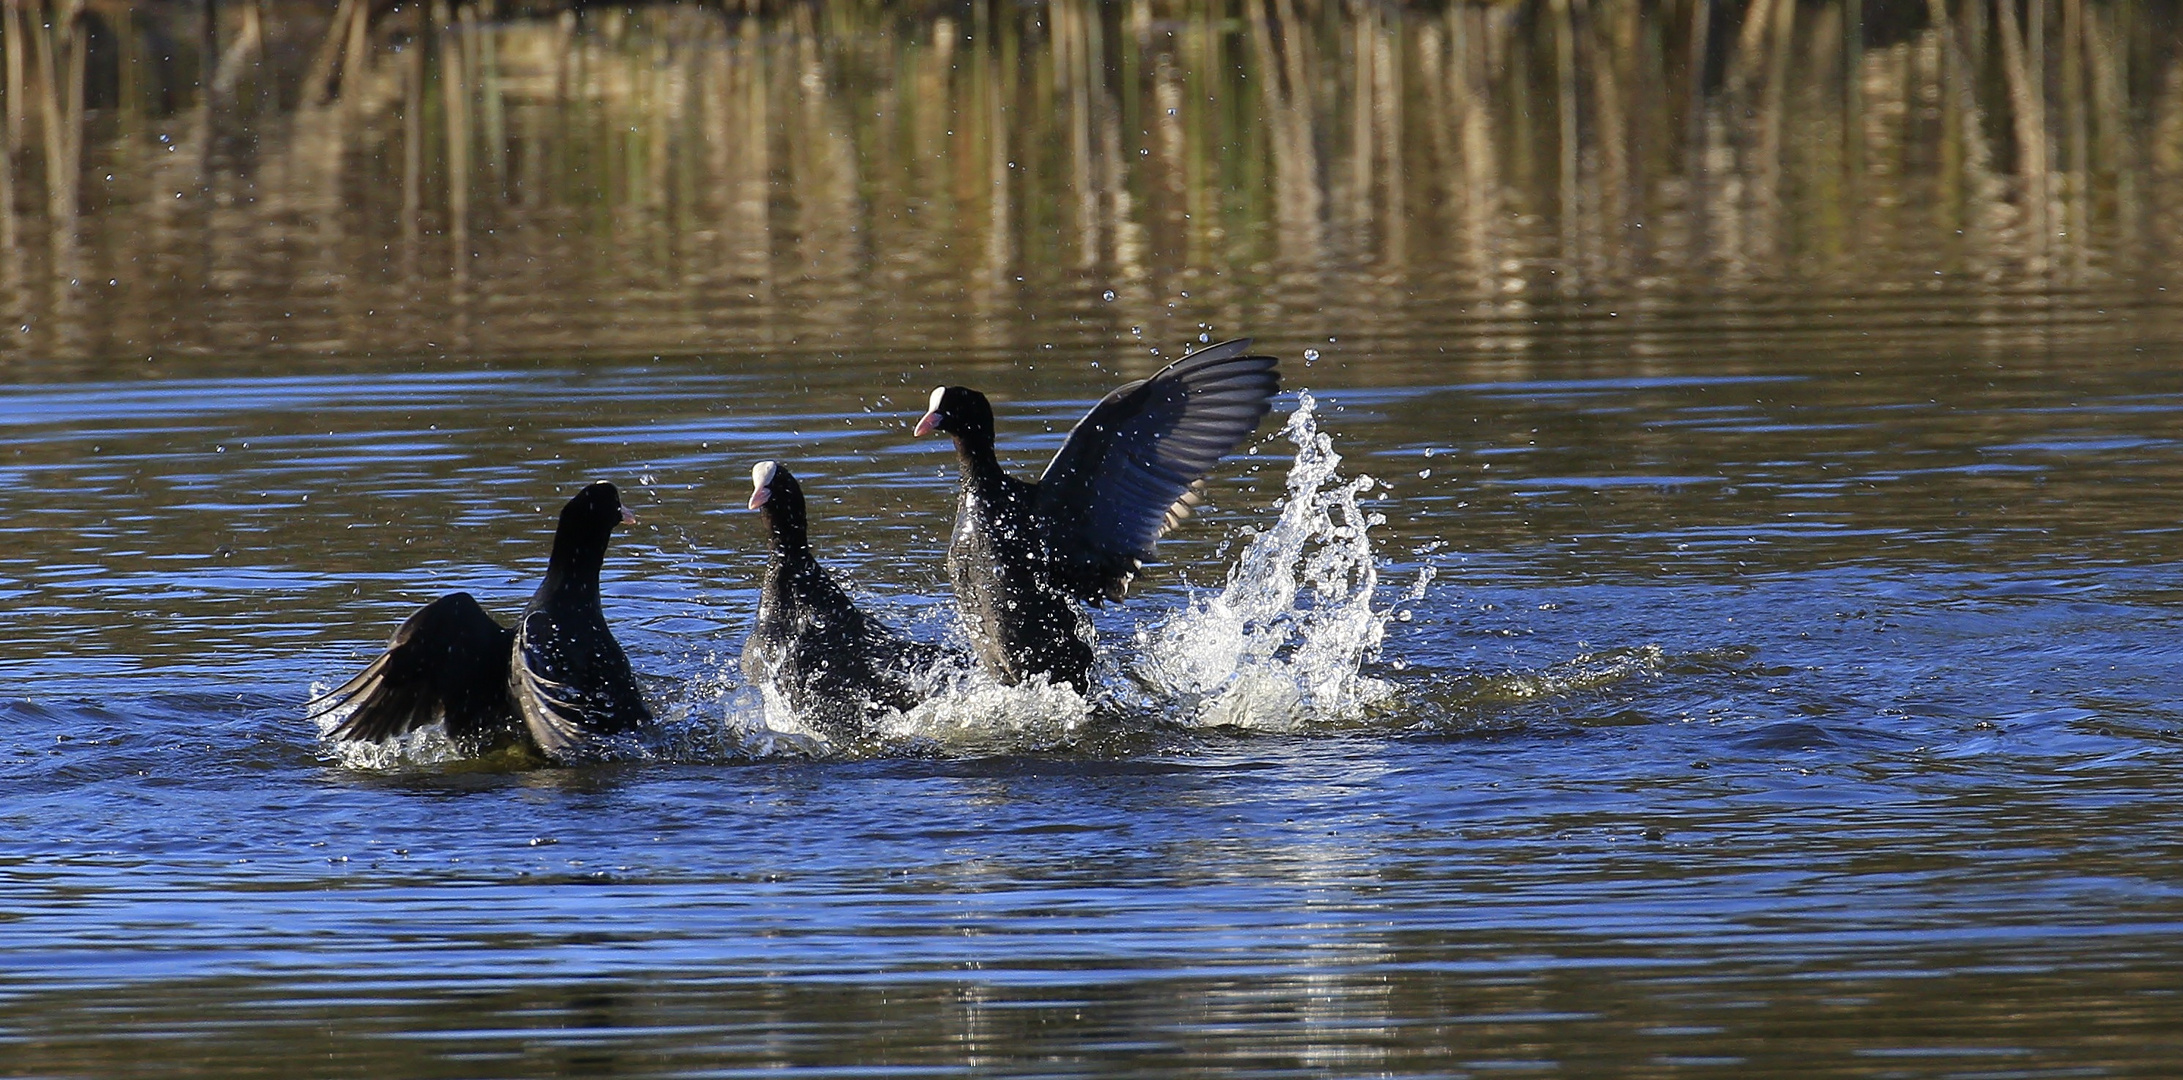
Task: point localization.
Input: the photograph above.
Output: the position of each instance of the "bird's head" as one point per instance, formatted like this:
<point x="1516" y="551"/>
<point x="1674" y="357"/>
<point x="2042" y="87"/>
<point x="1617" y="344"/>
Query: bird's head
<point x="959" y="411"/>
<point x="769" y="482"/>
<point x="597" y="508"/>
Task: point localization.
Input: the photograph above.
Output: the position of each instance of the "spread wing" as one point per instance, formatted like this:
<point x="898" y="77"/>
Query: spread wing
<point x="1130" y="469"/>
<point x="449" y="661"/>
<point x="571" y="686"/>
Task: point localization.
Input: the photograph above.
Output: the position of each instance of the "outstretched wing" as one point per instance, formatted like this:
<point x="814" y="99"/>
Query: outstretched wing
<point x="571" y="686"/>
<point x="1130" y="469"/>
<point x="449" y="661"/>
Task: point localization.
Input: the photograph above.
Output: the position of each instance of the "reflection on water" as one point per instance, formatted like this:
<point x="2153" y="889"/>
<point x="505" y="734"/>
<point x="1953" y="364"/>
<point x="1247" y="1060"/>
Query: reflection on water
<point x="1772" y="407"/>
<point x="433" y="180"/>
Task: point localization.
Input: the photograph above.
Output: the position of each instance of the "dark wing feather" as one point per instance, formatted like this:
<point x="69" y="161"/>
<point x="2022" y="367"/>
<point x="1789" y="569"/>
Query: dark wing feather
<point x="572" y="686"/>
<point x="449" y="661"/>
<point x="1131" y="469"/>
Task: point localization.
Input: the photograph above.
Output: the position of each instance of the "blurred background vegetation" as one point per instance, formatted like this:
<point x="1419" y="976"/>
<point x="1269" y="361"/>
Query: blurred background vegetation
<point x="256" y="181"/>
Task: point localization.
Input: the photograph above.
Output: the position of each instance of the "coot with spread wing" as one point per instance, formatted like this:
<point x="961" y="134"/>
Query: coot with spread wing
<point x="556" y="680"/>
<point x="1128" y="472"/>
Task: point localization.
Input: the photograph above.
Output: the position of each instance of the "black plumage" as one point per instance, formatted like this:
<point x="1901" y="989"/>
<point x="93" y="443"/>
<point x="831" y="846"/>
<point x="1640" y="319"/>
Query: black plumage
<point x="556" y="680"/>
<point x="837" y="667"/>
<point x="1128" y="472"/>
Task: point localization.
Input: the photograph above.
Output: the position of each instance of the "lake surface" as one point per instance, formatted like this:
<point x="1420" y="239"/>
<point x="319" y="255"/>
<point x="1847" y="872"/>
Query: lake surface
<point x="1754" y="652"/>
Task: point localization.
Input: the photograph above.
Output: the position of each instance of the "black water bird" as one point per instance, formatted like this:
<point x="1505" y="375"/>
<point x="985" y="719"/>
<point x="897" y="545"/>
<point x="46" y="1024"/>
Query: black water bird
<point x="837" y="667"/>
<point x="1129" y="471"/>
<point x="557" y="680"/>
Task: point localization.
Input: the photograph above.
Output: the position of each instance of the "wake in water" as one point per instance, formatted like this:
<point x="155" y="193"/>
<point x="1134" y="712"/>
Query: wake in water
<point x="1283" y="645"/>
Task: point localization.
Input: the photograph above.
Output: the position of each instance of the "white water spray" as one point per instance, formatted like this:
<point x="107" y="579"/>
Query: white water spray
<point x="1284" y="643"/>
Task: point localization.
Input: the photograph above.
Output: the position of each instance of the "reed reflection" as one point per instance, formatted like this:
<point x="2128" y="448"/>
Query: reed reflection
<point x="287" y="180"/>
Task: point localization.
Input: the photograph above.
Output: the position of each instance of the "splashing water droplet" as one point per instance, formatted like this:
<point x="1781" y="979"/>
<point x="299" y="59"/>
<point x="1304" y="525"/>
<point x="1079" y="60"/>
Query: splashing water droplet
<point x="1311" y="356"/>
<point x="1108" y="296"/>
<point x="1284" y="642"/>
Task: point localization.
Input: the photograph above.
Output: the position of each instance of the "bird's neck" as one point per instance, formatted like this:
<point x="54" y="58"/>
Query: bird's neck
<point x="794" y="569"/>
<point x="974" y="453"/>
<point x="790" y="566"/>
<point x="790" y="539"/>
<point x="573" y="573"/>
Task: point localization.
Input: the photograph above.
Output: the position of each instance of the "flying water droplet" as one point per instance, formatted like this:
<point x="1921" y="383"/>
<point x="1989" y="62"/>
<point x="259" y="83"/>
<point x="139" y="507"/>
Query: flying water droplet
<point x="1283" y="643"/>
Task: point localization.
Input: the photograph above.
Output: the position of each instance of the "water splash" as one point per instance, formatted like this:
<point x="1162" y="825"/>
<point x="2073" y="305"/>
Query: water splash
<point x="1285" y="642"/>
<point x="758" y="722"/>
<point x="426" y="746"/>
<point x="977" y="715"/>
<point x="963" y="712"/>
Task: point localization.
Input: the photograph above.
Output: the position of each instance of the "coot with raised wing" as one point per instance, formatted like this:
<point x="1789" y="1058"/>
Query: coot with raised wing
<point x="557" y="680"/>
<point x="1128" y="472"/>
<point x="837" y="667"/>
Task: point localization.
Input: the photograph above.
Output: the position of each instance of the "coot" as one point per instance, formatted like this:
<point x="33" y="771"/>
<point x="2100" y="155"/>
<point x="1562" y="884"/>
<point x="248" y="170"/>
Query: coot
<point x="1128" y="473"/>
<point x="837" y="667"/>
<point x="556" y="680"/>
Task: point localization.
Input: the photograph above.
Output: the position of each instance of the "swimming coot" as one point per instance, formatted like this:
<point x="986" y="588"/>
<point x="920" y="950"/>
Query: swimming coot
<point x="556" y="680"/>
<point x="837" y="667"/>
<point x="1128" y="473"/>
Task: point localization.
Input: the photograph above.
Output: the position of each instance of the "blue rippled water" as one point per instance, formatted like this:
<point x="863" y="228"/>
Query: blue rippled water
<point x="1753" y="653"/>
<point x="1789" y="748"/>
